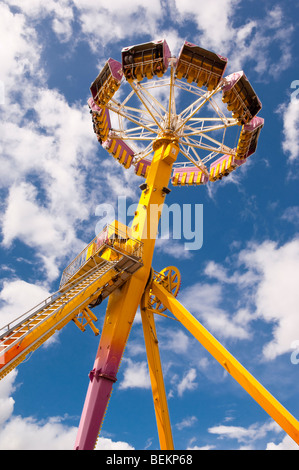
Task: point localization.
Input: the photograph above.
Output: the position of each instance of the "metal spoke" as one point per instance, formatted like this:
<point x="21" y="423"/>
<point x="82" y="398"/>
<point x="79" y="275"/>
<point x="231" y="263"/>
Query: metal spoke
<point x="142" y="123"/>
<point x="195" y="133"/>
<point x="141" y="98"/>
<point x="196" y="106"/>
<point x="171" y="104"/>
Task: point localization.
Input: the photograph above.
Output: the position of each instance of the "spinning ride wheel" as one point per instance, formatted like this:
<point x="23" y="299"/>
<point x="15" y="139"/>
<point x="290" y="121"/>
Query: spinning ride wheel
<point x="192" y="125"/>
<point x="211" y="118"/>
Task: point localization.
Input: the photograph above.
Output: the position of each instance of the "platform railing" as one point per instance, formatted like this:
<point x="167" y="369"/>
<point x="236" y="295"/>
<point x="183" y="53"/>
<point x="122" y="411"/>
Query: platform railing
<point x="111" y="237"/>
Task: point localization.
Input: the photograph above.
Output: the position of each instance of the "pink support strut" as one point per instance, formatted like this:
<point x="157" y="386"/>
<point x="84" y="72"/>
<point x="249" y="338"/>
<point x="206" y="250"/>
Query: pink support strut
<point x="98" y="394"/>
<point x="102" y="378"/>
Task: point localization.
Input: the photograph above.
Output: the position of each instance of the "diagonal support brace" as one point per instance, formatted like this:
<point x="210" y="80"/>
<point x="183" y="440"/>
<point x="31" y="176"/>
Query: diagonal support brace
<point x="236" y="370"/>
<point x="87" y="316"/>
<point x="156" y="374"/>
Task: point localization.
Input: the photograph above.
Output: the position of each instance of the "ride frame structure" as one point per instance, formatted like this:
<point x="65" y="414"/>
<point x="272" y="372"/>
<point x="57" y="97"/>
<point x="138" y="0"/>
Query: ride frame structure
<point x="125" y="274"/>
<point x="120" y="313"/>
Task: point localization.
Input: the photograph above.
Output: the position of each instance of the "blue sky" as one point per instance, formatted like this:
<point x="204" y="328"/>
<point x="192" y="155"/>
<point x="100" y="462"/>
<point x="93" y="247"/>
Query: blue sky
<point x="243" y="282"/>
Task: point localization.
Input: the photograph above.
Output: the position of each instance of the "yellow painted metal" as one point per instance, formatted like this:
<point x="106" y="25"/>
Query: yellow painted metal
<point x="235" y="369"/>
<point x="145" y="228"/>
<point x="145" y="225"/>
<point x="73" y="302"/>
<point x="170" y="278"/>
<point x="123" y="302"/>
<point x="89" y="318"/>
<point x="156" y="375"/>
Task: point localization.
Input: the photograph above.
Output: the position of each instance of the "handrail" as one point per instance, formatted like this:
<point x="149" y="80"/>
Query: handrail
<point x="45" y="303"/>
<point x="106" y="238"/>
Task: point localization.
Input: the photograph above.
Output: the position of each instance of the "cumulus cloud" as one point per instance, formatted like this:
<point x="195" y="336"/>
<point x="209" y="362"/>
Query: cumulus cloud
<point x="218" y="30"/>
<point x="172" y="248"/>
<point x="186" y="423"/>
<point x="22" y="50"/>
<point x="289" y="112"/>
<point x="291" y="214"/>
<point x="28" y="433"/>
<point x="286" y="444"/>
<point x="276" y="294"/>
<point x="206" y="301"/>
<point x="213" y="23"/>
<point x="105" y="443"/>
<point x="175" y="340"/>
<point x="19" y="433"/>
<point x="28" y="295"/>
<point x="136" y="375"/>
<point x="187" y="382"/>
<point x="6" y="401"/>
<point x="47" y="150"/>
<point x="60" y="12"/>
<point x="246" y="435"/>
<point x="129" y="22"/>
<point x="266" y="276"/>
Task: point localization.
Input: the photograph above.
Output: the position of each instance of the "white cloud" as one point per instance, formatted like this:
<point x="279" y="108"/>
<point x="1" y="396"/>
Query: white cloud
<point x="254" y="40"/>
<point x="28" y="433"/>
<point x="21" y="52"/>
<point x="17" y="297"/>
<point x="19" y="433"/>
<point x="187" y="382"/>
<point x="220" y="273"/>
<point x="207" y="447"/>
<point x="48" y="233"/>
<point x="286" y="444"/>
<point x="246" y="435"/>
<point x="23" y="207"/>
<point x="176" y="341"/>
<point x="218" y="30"/>
<point x="290" y="118"/>
<point x="129" y="22"/>
<point x="186" y="423"/>
<point x="276" y="295"/>
<point x="61" y="13"/>
<point x="6" y="401"/>
<point x="172" y="248"/>
<point x="206" y="301"/>
<point x="136" y="375"/>
<point x="105" y="443"/>
<point x="213" y="23"/>
<point x="291" y="214"/>
<point x="264" y="282"/>
<point x="45" y="158"/>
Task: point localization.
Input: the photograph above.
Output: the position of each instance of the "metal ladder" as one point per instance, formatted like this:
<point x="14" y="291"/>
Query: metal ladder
<point x="14" y="333"/>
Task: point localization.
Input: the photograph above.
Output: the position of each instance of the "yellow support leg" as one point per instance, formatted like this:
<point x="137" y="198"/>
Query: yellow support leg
<point x="236" y="370"/>
<point x="123" y="302"/>
<point x="156" y="375"/>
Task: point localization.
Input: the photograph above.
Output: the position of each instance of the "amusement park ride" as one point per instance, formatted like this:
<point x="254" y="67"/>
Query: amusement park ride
<point x="214" y="134"/>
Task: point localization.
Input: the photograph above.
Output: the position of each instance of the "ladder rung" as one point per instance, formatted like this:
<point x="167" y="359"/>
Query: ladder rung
<point x="46" y="311"/>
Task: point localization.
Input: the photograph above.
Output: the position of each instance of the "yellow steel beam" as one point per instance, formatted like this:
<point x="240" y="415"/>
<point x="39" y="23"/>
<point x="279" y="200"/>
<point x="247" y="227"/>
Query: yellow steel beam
<point x="71" y="305"/>
<point x="156" y="375"/>
<point x="236" y="370"/>
<point x="123" y="302"/>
